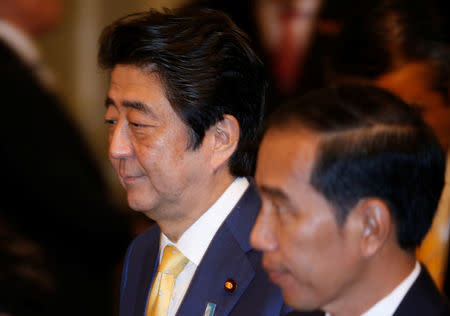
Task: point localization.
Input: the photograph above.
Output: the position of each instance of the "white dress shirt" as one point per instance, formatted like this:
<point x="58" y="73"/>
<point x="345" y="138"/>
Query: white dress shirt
<point x="389" y="304"/>
<point x="196" y="239"/>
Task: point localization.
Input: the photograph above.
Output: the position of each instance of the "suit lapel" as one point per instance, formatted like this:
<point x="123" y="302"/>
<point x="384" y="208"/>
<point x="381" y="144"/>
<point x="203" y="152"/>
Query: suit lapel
<point x="226" y="258"/>
<point x="148" y="268"/>
<point x="423" y="298"/>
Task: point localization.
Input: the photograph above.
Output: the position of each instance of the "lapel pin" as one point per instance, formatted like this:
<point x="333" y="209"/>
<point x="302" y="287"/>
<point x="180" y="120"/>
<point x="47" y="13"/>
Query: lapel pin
<point x="230" y="285"/>
<point x="210" y="309"/>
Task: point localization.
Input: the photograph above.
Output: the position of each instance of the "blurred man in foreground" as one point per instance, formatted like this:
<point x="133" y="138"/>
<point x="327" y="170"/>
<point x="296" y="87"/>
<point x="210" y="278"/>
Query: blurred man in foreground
<point x="54" y="195"/>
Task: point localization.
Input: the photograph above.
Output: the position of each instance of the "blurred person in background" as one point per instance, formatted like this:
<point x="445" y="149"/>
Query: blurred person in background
<point x="399" y="45"/>
<point x="444" y="8"/>
<point x="26" y="284"/>
<point x="53" y="194"/>
<point x="291" y="36"/>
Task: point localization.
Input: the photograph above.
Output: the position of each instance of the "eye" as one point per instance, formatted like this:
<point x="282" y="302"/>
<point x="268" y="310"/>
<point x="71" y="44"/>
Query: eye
<point x="278" y="207"/>
<point x="110" y="122"/>
<point x="111" y="116"/>
<point x="138" y="125"/>
<point x="274" y="205"/>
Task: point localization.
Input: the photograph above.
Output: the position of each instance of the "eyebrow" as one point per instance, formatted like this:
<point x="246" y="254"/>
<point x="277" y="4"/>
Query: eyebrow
<point x="137" y="105"/>
<point x="277" y="193"/>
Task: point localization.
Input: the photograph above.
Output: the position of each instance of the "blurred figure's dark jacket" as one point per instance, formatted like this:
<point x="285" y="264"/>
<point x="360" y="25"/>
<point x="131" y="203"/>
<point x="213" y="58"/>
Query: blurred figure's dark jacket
<point x="54" y="194"/>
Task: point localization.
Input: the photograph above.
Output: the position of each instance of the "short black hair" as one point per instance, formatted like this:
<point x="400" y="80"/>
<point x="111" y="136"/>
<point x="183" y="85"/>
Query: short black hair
<point x="372" y="144"/>
<point x="207" y="66"/>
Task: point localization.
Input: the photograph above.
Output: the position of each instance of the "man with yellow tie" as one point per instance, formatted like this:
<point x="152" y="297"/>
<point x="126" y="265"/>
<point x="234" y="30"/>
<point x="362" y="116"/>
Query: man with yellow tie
<point x="184" y="110"/>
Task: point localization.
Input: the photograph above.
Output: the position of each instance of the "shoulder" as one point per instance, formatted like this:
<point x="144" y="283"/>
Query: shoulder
<point x="141" y="251"/>
<point x="241" y="219"/>
<point x="143" y="247"/>
<point x="247" y="207"/>
<point x="143" y="240"/>
<point x="423" y="298"/>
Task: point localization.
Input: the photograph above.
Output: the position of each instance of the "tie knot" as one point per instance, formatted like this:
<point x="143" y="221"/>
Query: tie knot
<point x="173" y="261"/>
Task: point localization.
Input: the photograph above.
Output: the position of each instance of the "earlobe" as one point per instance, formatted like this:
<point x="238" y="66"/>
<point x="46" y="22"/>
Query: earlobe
<point x="376" y="225"/>
<point x="226" y="138"/>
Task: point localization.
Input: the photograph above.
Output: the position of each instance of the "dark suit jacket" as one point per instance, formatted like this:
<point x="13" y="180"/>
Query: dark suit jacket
<point x="54" y="194"/>
<point x="229" y="255"/>
<point x="422" y="299"/>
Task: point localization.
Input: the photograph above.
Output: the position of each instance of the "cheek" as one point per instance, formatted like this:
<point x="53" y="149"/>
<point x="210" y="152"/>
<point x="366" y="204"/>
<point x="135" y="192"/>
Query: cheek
<point x="114" y="163"/>
<point x="163" y="161"/>
<point x="310" y="246"/>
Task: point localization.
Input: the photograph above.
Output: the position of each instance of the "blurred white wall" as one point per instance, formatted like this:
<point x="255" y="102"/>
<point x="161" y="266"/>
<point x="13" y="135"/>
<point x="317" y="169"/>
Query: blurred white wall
<point x="71" y="52"/>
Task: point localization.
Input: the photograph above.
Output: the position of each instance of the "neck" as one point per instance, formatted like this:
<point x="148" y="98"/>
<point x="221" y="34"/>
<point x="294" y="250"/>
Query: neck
<point x="380" y="277"/>
<point x="174" y="228"/>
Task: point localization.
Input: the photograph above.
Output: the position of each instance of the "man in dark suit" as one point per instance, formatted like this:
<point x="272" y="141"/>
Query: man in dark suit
<point x="53" y="192"/>
<point x="185" y="107"/>
<point x="350" y="179"/>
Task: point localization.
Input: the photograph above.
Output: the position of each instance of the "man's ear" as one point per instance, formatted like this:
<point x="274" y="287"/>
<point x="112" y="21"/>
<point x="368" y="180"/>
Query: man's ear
<point x="376" y="225"/>
<point x="225" y="139"/>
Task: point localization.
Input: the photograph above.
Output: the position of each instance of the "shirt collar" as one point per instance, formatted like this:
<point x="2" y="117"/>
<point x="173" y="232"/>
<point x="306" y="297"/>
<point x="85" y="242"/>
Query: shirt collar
<point x="388" y="305"/>
<point x="195" y="240"/>
<point x="20" y="42"/>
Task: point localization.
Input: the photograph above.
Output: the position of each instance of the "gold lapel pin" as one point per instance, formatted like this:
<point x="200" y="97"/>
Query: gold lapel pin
<point x="230" y="285"/>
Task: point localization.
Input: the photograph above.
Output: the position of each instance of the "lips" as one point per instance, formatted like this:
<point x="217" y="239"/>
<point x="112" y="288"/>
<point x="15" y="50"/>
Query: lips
<point x="277" y="276"/>
<point x="129" y="178"/>
<point x="274" y="271"/>
<point x="127" y="170"/>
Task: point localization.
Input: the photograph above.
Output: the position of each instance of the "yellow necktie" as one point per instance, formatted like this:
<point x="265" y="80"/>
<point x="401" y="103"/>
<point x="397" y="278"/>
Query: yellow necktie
<point x="172" y="263"/>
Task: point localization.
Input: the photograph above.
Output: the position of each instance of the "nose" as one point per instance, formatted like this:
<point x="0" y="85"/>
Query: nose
<point x="262" y="236"/>
<point x="120" y="146"/>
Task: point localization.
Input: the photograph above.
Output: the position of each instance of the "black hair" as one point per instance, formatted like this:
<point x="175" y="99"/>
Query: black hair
<point x="207" y="66"/>
<point x="372" y="144"/>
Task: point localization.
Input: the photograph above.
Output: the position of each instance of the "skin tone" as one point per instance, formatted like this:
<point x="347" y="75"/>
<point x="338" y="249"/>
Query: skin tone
<point x="33" y="17"/>
<point x="148" y="149"/>
<point x="319" y="264"/>
<point x="267" y="17"/>
<point x="285" y="30"/>
<point x="412" y="82"/>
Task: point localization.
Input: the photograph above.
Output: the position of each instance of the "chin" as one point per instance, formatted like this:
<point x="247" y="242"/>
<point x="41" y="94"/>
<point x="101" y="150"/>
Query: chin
<point x="139" y="204"/>
<point x="299" y="301"/>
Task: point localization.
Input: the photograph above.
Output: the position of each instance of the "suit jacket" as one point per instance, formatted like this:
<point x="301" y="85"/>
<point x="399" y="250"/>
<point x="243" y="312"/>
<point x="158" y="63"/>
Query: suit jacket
<point x="54" y="194"/>
<point x="423" y="298"/>
<point x="229" y="255"/>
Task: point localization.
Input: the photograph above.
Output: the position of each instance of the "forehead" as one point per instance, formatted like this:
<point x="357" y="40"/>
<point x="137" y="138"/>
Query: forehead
<point x="286" y="157"/>
<point x="131" y="81"/>
<point x="133" y="88"/>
